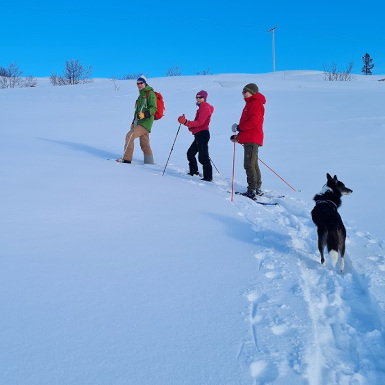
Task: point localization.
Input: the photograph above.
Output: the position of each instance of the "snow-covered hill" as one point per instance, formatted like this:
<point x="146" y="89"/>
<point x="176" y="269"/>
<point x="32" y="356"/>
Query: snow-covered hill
<point x="114" y="274"/>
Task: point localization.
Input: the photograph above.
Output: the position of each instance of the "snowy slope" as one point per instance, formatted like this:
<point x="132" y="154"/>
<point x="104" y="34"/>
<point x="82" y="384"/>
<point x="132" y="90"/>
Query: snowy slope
<point x="115" y="274"/>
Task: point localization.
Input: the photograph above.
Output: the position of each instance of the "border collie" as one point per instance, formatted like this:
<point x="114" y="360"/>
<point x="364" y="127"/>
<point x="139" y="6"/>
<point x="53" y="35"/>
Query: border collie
<point x="330" y="229"/>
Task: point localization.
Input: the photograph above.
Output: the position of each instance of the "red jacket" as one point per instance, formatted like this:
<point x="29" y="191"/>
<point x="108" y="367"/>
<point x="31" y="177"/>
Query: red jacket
<point x="251" y="123"/>
<point x="202" y="118"/>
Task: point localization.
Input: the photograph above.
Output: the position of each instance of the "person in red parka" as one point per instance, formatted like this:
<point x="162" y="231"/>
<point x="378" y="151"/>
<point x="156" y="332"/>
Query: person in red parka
<point x="250" y="134"/>
<point x="199" y="127"/>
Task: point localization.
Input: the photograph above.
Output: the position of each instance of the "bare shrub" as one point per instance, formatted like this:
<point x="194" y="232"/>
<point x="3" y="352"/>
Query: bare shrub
<point x="333" y="74"/>
<point x="132" y="76"/>
<point x="114" y="80"/>
<point x="347" y="75"/>
<point x="174" y="71"/>
<point x="204" y="72"/>
<point x="11" y="77"/>
<point x="330" y="73"/>
<point x="30" y="81"/>
<point x="74" y="73"/>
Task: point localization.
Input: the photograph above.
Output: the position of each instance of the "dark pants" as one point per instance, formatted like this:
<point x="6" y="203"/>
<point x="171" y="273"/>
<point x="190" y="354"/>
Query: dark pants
<point x="200" y="146"/>
<point x="251" y="166"/>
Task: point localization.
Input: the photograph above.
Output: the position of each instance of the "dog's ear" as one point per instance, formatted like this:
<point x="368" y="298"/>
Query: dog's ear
<point x="329" y="177"/>
<point x="335" y="178"/>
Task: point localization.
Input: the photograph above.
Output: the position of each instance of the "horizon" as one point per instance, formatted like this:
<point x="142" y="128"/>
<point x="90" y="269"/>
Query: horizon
<point x="284" y="73"/>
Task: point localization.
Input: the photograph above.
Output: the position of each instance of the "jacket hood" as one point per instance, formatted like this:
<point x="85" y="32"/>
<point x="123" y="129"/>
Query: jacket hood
<point x="257" y="96"/>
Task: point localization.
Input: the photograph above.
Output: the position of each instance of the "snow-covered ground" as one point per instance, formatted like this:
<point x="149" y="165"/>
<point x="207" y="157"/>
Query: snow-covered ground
<point x="114" y="274"/>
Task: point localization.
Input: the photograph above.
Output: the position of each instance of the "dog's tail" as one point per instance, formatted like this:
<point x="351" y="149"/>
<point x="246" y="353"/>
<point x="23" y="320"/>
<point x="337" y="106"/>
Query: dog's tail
<point x="334" y="257"/>
<point x="332" y="244"/>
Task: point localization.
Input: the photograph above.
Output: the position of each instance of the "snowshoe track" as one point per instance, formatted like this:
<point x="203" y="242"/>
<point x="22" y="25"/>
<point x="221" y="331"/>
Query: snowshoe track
<point x="343" y="315"/>
<point x="310" y="310"/>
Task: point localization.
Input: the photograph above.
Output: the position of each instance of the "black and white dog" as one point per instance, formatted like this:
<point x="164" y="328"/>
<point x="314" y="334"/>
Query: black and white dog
<point x="331" y="231"/>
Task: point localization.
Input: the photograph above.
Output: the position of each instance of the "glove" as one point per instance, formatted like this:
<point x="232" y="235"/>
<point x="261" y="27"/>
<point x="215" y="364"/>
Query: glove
<point x="182" y="120"/>
<point x="143" y="115"/>
<point x="235" y="127"/>
<point x="234" y="138"/>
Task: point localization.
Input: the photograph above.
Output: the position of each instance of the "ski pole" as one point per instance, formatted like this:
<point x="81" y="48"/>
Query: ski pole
<point x="129" y="140"/>
<point x="134" y="123"/>
<point x="215" y="166"/>
<point x="232" y="184"/>
<point x="276" y="174"/>
<point x="171" y="149"/>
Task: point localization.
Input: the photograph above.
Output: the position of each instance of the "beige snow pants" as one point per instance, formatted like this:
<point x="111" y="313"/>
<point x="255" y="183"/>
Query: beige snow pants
<point x="144" y="141"/>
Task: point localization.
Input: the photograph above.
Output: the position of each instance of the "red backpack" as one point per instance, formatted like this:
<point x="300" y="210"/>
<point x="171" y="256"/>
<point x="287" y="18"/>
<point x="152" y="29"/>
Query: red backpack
<point x="159" y="105"/>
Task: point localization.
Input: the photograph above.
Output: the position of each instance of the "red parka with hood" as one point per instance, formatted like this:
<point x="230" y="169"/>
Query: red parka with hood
<point x="251" y="123"/>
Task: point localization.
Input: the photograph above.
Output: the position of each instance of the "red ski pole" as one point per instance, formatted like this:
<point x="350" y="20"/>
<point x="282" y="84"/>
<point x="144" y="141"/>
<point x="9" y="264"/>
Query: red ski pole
<point x="232" y="186"/>
<point x="276" y="174"/>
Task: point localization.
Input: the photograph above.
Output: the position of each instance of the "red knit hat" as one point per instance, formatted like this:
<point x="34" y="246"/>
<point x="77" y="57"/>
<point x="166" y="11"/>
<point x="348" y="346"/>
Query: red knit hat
<point x="204" y="94"/>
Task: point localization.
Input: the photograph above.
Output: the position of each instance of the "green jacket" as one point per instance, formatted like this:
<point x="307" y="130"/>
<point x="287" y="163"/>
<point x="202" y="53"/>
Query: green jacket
<point x="146" y="104"/>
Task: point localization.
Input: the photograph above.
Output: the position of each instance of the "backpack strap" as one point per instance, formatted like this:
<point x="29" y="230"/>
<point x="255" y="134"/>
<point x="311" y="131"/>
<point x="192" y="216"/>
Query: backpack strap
<point x="147" y="93"/>
<point x="146" y="97"/>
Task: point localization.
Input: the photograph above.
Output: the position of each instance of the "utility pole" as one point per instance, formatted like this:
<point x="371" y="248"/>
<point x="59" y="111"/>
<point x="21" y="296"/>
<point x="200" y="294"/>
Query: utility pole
<point x="272" y="31"/>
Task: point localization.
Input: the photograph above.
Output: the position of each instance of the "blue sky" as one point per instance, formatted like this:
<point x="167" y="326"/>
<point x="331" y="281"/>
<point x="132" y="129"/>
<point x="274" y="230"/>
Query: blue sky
<point x="122" y="37"/>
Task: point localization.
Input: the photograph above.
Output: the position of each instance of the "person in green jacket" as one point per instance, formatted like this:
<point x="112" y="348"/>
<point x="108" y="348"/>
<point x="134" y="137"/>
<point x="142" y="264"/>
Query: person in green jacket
<point x="145" y="108"/>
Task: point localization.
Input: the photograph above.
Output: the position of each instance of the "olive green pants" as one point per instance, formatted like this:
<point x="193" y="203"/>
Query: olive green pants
<point x="250" y="163"/>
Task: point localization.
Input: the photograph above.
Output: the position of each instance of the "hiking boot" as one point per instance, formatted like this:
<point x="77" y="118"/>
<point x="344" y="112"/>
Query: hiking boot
<point x="121" y="160"/>
<point x="250" y="194"/>
<point x="193" y="173"/>
<point x="207" y="179"/>
<point x="259" y="192"/>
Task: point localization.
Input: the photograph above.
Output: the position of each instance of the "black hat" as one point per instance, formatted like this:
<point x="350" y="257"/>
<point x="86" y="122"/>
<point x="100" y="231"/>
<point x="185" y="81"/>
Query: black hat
<point x="252" y="88"/>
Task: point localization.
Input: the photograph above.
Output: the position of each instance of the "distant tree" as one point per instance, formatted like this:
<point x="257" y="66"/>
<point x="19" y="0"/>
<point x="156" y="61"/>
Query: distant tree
<point x="132" y="76"/>
<point x="11" y="77"/>
<point x="368" y="66"/>
<point x="174" y="71"/>
<point x="204" y="72"/>
<point x="74" y="73"/>
<point x="333" y="74"/>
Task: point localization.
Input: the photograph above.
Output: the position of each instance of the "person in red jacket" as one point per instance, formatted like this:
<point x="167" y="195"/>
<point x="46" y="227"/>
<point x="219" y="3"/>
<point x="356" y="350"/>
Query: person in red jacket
<point x="250" y="134"/>
<point x="199" y="127"/>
